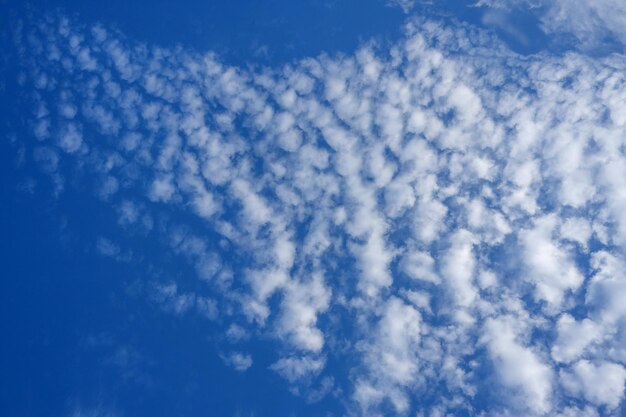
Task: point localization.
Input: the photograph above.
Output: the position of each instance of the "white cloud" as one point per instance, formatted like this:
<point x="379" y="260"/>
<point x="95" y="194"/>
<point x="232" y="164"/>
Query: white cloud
<point x="518" y="366"/>
<point x="302" y="303"/>
<point x="573" y="337"/>
<point x="295" y="368"/>
<point x="70" y="140"/>
<point x="236" y="333"/>
<point x="601" y="383"/>
<point x="608" y="287"/>
<point x="589" y="22"/>
<point x="577" y="230"/>
<point x="458" y="268"/>
<point x="549" y="266"/>
<point x="107" y="248"/>
<point x="391" y="358"/>
<point x="405" y="5"/>
<point x="239" y="361"/>
<point x="421" y="266"/>
<point x="162" y="189"/>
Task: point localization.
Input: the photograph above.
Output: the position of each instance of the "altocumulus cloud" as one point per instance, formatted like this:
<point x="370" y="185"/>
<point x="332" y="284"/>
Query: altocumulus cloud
<point x="457" y="209"/>
<point x="590" y="23"/>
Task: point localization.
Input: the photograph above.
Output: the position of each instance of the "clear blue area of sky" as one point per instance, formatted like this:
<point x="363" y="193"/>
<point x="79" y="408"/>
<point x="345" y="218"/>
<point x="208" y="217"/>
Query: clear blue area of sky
<point x="251" y="31"/>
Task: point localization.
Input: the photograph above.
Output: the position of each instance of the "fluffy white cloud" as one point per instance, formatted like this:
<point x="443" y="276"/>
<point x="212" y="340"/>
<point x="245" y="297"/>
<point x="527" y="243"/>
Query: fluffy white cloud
<point x="458" y="266"/>
<point x="550" y="267"/>
<point x="573" y="337"/>
<point x="420" y="265"/>
<point x="601" y="383"/>
<point x="391" y="358"/>
<point x="518" y="366"/>
<point x="302" y="303"/>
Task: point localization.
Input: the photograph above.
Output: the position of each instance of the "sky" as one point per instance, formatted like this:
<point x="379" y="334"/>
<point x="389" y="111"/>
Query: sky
<point x="314" y="208"/>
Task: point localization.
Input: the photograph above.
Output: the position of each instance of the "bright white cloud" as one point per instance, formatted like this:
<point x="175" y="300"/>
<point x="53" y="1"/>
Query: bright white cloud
<point x="573" y="337"/>
<point x="601" y="383"/>
<point x="550" y="267"/>
<point x="519" y="367"/>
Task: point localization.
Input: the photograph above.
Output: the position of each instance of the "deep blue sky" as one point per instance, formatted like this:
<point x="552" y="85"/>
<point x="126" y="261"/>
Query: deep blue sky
<point x="246" y="31"/>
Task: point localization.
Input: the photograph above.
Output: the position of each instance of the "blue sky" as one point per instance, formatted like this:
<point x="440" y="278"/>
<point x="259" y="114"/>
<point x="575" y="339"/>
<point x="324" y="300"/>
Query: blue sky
<point x="317" y="208"/>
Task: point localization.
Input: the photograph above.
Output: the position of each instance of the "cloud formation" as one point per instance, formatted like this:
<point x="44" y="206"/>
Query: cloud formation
<point x="456" y="209"/>
<point x="591" y="24"/>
